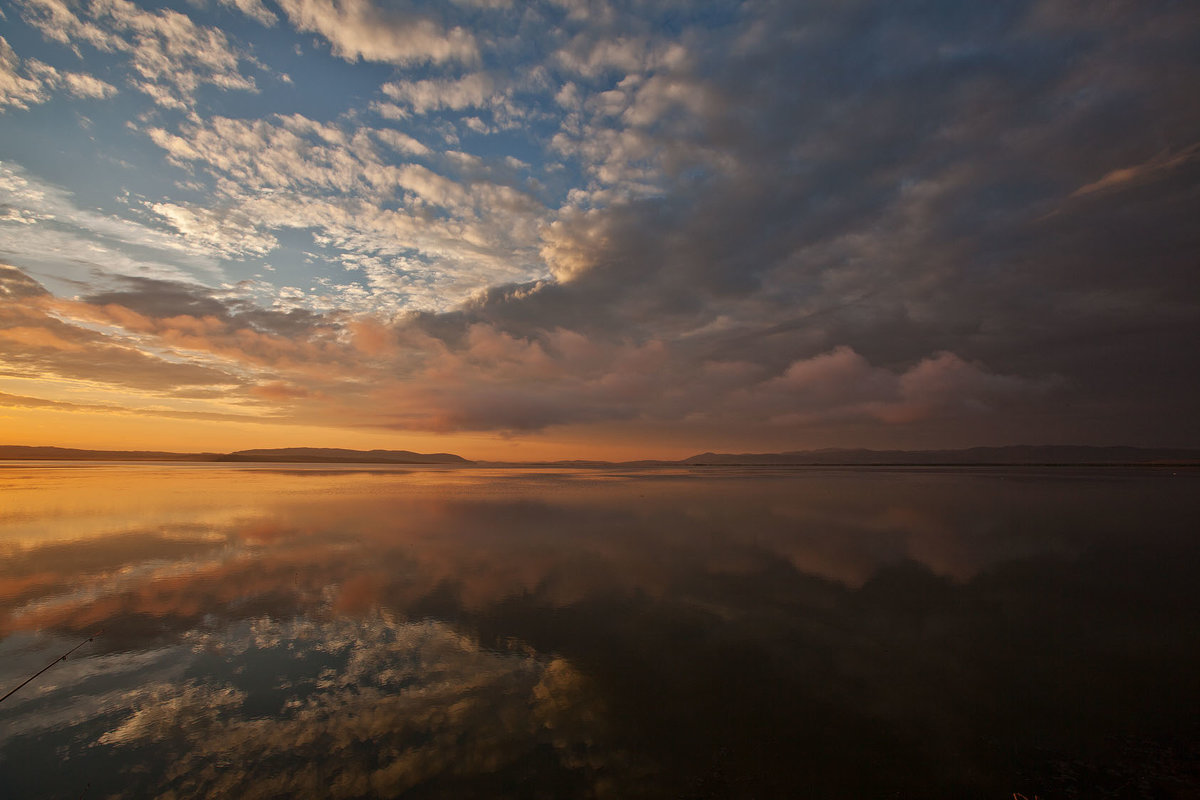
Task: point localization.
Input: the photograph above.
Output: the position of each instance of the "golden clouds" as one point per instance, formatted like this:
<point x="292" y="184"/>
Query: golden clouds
<point x="38" y="337"/>
<point x="184" y="350"/>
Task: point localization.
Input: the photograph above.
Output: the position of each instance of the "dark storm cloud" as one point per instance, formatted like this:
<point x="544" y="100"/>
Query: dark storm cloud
<point x="1014" y="184"/>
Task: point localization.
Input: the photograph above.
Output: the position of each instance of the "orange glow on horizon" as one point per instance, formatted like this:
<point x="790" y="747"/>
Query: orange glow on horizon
<point x="99" y="430"/>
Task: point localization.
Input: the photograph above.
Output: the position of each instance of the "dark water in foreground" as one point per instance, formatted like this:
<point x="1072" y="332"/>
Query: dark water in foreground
<point x="817" y="633"/>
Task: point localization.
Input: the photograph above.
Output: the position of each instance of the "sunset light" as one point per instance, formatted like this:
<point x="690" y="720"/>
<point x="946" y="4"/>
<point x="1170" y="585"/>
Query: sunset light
<point x="574" y="229"/>
<point x="599" y="399"/>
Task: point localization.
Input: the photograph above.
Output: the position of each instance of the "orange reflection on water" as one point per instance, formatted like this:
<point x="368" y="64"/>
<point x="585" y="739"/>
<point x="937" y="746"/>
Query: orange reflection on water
<point x="153" y="549"/>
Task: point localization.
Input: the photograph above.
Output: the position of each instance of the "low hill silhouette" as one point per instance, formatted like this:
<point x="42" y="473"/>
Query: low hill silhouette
<point x="24" y="453"/>
<point x="295" y="455"/>
<point x="1014" y="454"/>
<point x="328" y="455"/>
<point x="1065" y="455"/>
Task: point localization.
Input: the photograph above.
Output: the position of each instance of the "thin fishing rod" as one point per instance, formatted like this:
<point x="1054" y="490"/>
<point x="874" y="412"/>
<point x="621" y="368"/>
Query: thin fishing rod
<point x="63" y="657"/>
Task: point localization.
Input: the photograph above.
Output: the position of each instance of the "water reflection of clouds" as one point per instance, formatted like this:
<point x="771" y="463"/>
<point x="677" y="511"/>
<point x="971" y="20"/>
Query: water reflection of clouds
<point x="243" y="542"/>
<point x="78" y="689"/>
<point x="713" y="611"/>
<point x="326" y="707"/>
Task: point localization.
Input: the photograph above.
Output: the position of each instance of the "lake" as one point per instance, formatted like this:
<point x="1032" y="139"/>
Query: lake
<point x="331" y="631"/>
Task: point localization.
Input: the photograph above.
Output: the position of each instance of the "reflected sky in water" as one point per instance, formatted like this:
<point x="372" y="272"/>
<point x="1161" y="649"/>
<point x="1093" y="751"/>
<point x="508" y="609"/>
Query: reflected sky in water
<point x="443" y="632"/>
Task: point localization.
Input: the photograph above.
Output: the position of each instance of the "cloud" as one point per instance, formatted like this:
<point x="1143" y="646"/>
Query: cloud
<point x="402" y="142"/>
<point x="590" y="55"/>
<point x="251" y="415"/>
<point x="429" y="238"/>
<point x="58" y="22"/>
<point x="15" y="285"/>
<point x="36" y="342"/>
<point x="84" y="85"/>
<point x="484" y="378"/>
<point x="775" y="221"/>
<point x="935" y="219"/>
<point x="434" y="94"/>
<point x="227" y="235"/>
<point x="31" y="82"/>
<point x="492" y="380"/>
<point x="149" y="341"/>
<point x="842" y="384"/>
<point x="255" y="9"/>
<point x="169" y="55"/>
<point x="188" y="317"/>
<point x="1123" y="176"/>
<point x="42" y="226"/>
<point x="361" y="29"/>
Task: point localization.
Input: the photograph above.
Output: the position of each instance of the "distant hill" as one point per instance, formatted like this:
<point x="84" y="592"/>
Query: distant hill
<point x="16" y="452"/>
<point x="1015" y="454"/>
<point x="300" y="455"/>
<point x="333" y="455"/>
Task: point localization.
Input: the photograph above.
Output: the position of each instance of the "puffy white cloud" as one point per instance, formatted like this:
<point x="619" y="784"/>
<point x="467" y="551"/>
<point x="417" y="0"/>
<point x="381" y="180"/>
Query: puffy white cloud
<point x="431" y="95"/>
<point x="58" y="21"/>
<point x="402" y="142"/>
<point x="589" y="56"/>
<point x="466" y="230"/>
<point x="83" y="85"/>
<point x="255" y="9"/>
<point x="31" y="82"/>
<point x="19" y="90"/>
<point x="227" y="234"/>
<point x="363" y="29"/>
<point x="170" y="55"/>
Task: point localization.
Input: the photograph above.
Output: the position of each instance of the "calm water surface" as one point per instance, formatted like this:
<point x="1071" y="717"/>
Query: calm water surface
<point x="440" y="632"/>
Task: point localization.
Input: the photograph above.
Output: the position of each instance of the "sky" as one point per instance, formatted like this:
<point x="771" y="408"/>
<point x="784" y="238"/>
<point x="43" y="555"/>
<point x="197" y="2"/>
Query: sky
<point x="599" y="229"/>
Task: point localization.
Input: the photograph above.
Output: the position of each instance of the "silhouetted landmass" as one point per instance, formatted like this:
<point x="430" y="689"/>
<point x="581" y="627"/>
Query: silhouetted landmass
<point x="20" y="453"/>
<point x="332" y="455"/>
<point x="305" y="455"/>
<point x="1016" y="454"/>
<point x="1030" y="455"/>
<point x="584" y="463"/>
<point x="973" y="456"/>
